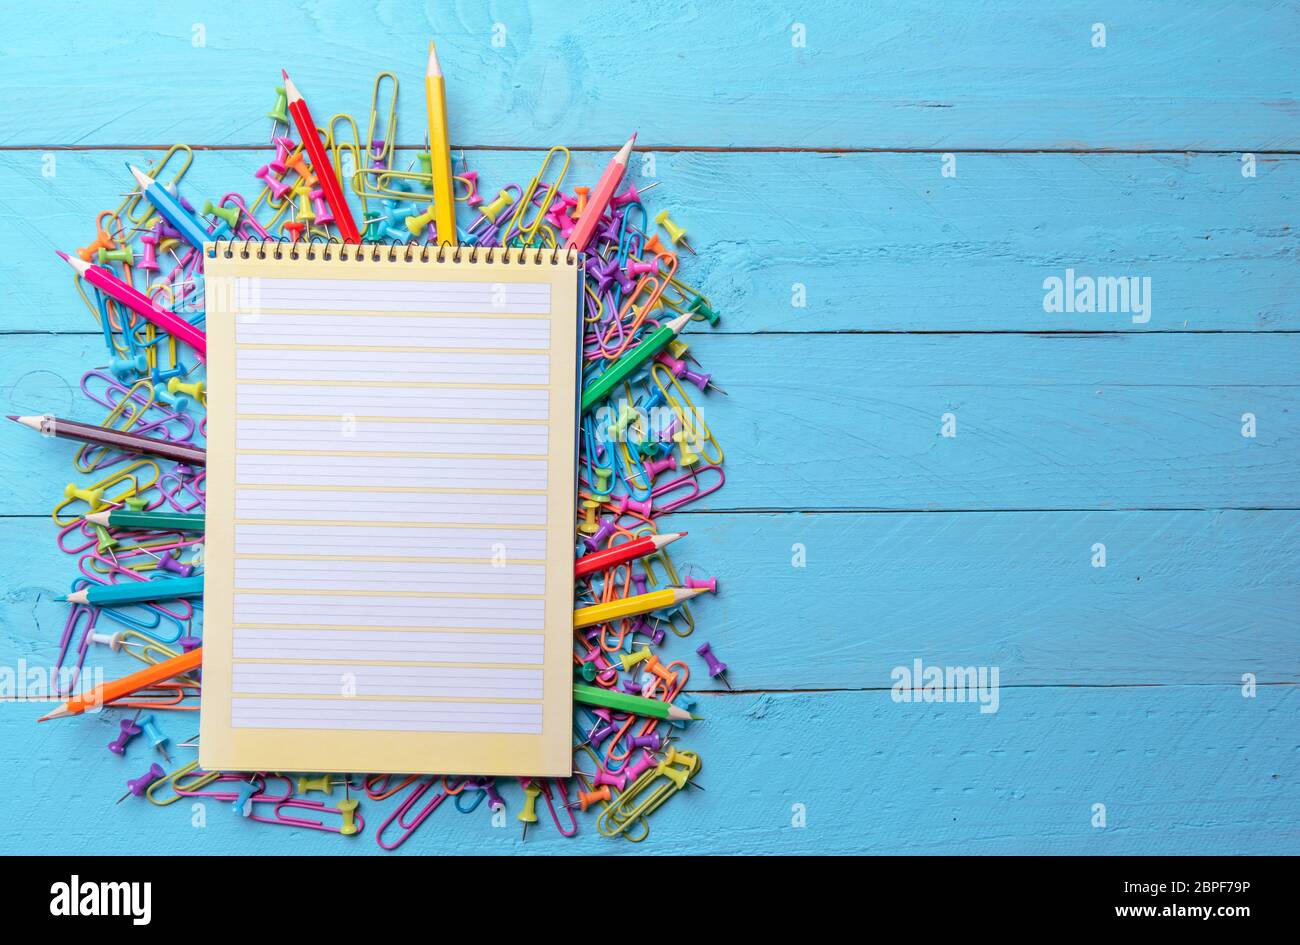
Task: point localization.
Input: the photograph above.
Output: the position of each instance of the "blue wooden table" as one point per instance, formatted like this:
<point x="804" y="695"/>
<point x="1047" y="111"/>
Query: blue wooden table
<point x="926" y="454"/>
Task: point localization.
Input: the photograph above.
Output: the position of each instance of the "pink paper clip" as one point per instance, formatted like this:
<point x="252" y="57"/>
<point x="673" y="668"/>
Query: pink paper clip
<point x="298" y="803"/>
<point x="692" y="482"/>
<point x="399" y="815"/>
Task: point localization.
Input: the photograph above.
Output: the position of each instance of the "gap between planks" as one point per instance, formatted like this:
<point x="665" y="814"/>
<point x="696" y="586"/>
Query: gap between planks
<point x="678" y="148"/>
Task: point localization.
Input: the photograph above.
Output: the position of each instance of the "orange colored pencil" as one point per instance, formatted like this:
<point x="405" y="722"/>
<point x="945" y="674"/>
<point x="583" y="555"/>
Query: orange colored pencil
<point x="112" y="691"/>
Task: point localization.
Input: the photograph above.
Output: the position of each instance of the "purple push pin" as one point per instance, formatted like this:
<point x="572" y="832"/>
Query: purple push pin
<point x="172" y="563"/>
<point x="138" y="786"/>
<point x="717" y="668"/>
<point x="129" y="730"/>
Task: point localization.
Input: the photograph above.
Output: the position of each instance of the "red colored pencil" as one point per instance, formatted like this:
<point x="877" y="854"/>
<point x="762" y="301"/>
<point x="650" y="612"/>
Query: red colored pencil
<point x="320" y="162"/>
<point x="620" y="554"/>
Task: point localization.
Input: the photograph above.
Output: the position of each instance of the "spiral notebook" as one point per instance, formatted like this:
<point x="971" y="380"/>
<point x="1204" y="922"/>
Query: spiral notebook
<point x="391" y="482"/>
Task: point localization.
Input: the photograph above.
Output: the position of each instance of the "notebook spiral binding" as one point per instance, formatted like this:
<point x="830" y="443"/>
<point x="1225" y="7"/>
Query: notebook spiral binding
<point x="392" y="251"/>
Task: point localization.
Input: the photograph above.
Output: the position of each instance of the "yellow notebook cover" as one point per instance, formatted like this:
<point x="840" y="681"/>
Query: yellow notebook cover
<point x="390" y="503"/>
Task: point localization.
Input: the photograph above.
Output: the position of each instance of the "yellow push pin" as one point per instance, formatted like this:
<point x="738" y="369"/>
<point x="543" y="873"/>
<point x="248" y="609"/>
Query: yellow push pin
<point x="92" y="497"/>
<point x="417" y="224"/>
<point x="497" y="206"/>
<point x="323" y="782"/>
<point x="675" y="233"/>
<point x="528" y="814"/>
<point x="632" y="659"/>
<point x="349" y="810"/>
<point x="589" y="526"/>
<point x="305" y="212"/>
<point x="195" y="390"/>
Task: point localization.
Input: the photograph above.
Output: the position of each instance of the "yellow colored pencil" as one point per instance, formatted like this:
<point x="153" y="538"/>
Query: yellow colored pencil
<point x="444" y="185"/>
<point x="631" y="606"/>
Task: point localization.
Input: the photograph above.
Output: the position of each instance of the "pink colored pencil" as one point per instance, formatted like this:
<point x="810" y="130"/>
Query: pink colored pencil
<point x="141" y="304"/>
<point x="599" y="198"/>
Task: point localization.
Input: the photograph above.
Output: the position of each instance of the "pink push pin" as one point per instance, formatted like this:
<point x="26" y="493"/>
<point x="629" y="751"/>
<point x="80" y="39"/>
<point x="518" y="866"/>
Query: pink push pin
<point x="137" y="786"/>
<point x="613" y="780"/>
<point x="711" y="585"/>
<point x="149" y="259"/>
<point x="278" y="187"/>
<point x="626" y="502"/>
<point x="282" y="148"/>
<point x="129" y="731"/>
<point x="322" y="211"/>
<point x="637" y="269"/>
<point x="655" y="466"/>
<point x="634" y="769"/>
<point x="631" y="195"/>
<point x="717" y="668"/>
<point x="673" y="364"/>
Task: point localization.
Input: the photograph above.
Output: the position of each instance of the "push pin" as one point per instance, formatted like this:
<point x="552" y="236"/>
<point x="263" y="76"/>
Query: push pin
<point x="528" y="813"/>
<point x="129" y="730"/>
<point x="279" y="113"/>
<point x="717" y="668"/>
<point x="155" y="736"/>
<point x="137" y="786"/>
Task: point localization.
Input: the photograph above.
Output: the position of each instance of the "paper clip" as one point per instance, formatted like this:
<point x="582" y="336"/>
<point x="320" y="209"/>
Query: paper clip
<point x="173" y="779"/>
<point x="527" y="232"/>
<point x="399" y="815"/>
<point x="382" y="155"/>
<point x="645" y="796"/>
<point x="279" y="816"/>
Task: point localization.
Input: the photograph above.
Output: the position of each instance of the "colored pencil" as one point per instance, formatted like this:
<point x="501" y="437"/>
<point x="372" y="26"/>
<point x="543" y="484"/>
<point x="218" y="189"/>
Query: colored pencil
<point x="626" y="702"/>
<point x="320" y="162"/>
<point x="621" y="554"/>
<point x="631" y="606"/>
<point x="627" y="365"/>
<point x="444" y="185"/>
<point x="138" y="302"/>
<point x="169" y="207"/>
<point x="148" y="521"/>
<point x="136" y="592"/>
<point x="118" y="439"/>
<point x="599" y="198"/>
<point x="108" y="692"/>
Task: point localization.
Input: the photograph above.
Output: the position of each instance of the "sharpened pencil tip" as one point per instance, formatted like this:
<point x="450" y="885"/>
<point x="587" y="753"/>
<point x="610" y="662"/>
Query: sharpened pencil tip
<point x="61" y="254"/>
<point x="283" y="74"/>
<point x="14" y="417"/>
<point x="433" y="69"/>
<point x="56" y="714"/>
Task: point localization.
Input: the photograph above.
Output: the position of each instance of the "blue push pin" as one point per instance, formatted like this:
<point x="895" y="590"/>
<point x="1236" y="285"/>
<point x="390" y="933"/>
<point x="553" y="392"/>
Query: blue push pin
<point x="155" y="735"/>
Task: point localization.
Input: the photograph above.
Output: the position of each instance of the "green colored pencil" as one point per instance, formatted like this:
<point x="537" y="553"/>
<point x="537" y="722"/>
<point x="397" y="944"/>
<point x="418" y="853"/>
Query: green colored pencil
<point x="148" y="521"/>
<point x="624" y="702"/>
<point x="621" y="369"/>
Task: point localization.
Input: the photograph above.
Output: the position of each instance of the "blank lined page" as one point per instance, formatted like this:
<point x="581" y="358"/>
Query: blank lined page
<point x="391" y="483"/>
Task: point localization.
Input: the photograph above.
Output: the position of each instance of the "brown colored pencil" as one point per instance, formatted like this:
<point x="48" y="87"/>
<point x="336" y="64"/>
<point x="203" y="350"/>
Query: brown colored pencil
<point x="118" y="439"/>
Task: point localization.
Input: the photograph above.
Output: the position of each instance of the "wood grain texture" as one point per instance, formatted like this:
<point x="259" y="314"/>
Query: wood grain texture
<point x="1120" y="686"/>
<point x="854" y="421"/>
<point x="1185" y="597"/>
<point x="980" y="74"/>
<point x="878" y="242"/>
<point x="1180" y="770"/>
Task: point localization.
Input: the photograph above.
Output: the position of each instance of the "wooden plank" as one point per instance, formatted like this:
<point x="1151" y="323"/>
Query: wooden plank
<point x="855" y="421"/>
<point x="867" y="242"/>
<point x="1180" y="770"/>
<point x="1185" y="597"/>
<point x="984" y="74"/>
